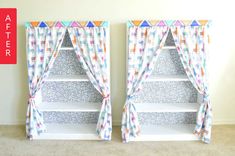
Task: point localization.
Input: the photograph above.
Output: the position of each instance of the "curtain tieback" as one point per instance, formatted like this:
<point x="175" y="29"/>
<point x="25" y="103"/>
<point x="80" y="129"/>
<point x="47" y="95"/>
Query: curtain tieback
<point x="129" y="97"/>
<point x="31" y="98"/>
<point x="106" y="97"/>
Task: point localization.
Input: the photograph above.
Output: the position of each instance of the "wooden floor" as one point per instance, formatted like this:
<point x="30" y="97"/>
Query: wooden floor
<point x="14" y="143"/>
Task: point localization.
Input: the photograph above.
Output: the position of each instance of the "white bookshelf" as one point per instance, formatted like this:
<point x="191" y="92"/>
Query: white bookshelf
<point x="67" y="78"/>
<point x="182" y="132"/>
<point x="69" y="107"/>
<point x="57" y="125"/>
<point x="163" y="131"/>
<point x="69" y="132"/>
<point x="166" y="107"/>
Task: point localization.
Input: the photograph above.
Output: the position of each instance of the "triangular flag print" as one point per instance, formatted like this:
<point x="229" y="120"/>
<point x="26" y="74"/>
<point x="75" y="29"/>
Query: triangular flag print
<point x="144" y="24"/>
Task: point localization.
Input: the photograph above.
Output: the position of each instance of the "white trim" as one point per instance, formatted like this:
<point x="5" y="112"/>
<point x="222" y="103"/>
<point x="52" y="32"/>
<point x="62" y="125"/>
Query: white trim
<point x="223" y="122"/>
<point x="69" y="107"/>
<point x="117" y="123"/>
<point x="11" y="123"/>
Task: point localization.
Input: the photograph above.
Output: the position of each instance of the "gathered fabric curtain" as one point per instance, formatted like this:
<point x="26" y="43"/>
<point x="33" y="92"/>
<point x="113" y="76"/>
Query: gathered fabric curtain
<point x="90" y="44"/>
<point x="42" y="47"/>
<point x="144" y="45"/>
<point x="192" y="45"/>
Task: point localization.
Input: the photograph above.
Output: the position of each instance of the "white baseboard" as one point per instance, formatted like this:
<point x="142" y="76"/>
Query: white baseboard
<point x="223" y="122"/>
<point x="116" y="122"/>
<point x="20" y="122"/>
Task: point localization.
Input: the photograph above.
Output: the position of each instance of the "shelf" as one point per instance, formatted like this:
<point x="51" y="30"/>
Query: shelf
<point x="70" y="107"/>
<point x="182" y="132"/>
<point x="169" y="47"/>
<point x="168" y="78"/>
<point x="67" y="78"/>
<point x="66" y="48"/>
<point x="69" y="132"/>
<point x="167" y="107"/>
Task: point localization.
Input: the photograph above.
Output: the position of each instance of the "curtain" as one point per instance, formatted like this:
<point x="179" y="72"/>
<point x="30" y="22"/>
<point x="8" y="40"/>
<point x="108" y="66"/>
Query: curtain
<point x="90" y="44"/>
<point x="144" y="44"/>
<point x="42" y="47"/>
<point x="192" y="43"/>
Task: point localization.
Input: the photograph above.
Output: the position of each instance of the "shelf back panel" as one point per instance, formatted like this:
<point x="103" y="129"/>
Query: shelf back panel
<point x="166" y="92"/>
<point x="167" y="118"/>
<point x="70" y="92"/>
<point x="71" y="117"/>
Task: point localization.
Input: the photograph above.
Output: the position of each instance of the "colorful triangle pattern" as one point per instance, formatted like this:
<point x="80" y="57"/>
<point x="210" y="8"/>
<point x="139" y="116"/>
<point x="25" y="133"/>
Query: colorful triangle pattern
<point x="67" y="24"/>
<point x="90" y="24"/>
<point x="161" y="23"/>
<point x="144" y="24"/>
<point x="42" y="24"/>
<point x="149" y="23"/>
<point x="194" y="23"/>
<point x="178" y="23"/>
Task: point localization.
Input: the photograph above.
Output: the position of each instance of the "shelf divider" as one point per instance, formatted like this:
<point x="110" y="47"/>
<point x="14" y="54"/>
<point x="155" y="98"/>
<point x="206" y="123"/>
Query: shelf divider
<point x="69" y="132"/>
<point x="69" y="107"/>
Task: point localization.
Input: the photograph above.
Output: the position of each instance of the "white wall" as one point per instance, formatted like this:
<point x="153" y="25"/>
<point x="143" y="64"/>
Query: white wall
<point x="13" y="78"/>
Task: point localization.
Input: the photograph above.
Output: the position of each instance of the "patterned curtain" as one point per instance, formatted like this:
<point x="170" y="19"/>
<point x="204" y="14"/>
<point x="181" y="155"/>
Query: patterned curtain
<point x="144" y="44"/>
<point x="42" y="48"/>
<point x="192" y="43"/>
<point x="90" y="44"/>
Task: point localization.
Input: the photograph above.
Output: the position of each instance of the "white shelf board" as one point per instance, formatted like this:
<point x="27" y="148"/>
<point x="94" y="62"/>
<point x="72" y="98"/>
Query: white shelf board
<point x="69" y="132"/>
<point x="167" y="107"/>
<point x="168" y="78"/>
<point x="67" y="78"/>
<point x="69" y="107"/>
<point x="169" y="47"/>
<point x="66" y="48"/>
<point x="181" y="132"/>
